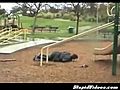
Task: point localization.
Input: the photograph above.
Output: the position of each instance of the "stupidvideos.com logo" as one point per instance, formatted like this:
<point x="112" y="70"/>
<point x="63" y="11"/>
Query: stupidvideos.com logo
<point x="95" y="87"/>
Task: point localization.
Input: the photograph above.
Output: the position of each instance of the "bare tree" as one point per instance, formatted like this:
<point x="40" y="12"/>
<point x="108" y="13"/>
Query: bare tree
<point x="33" y="8"/>
<point x="78" y="9"/>
<point x="38" y="6"/>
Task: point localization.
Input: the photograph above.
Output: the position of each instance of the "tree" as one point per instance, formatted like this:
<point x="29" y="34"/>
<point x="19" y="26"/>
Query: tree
<point x="2" y="11"/>
<point x="55" y="8"/>
<point x="34" y="9"/>
<point x="78" y="9"/>
<point x="28" y="9"/>
<point x="102" y="12"/>
<point x="15" y="9"/>
<point x="92" y="7"/>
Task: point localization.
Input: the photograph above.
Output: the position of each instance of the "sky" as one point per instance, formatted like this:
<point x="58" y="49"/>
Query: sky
<point x="7" y="6"/>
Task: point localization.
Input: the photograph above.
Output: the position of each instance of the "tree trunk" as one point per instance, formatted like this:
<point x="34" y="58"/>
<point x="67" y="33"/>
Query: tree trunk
<point x="33" y="27"/>
<point x="77" y="25"/>
<point x="34" y="24"/>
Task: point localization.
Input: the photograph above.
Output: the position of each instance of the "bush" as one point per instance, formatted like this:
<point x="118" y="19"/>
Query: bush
<point x="80" y="18"/>
<point x="66" y="16"/>
<point x="58" y="15"/>
<point x="73" y="18"/>
<point x="40" y="15"/>
<point x="90" y="19"/>
<point x="49" y="16"/>
<point x="110" y="19"/>
<point x="72" y="13"/>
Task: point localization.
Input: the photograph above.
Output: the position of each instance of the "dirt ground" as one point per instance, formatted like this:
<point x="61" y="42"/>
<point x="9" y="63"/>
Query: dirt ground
<point x="25" y="70"/>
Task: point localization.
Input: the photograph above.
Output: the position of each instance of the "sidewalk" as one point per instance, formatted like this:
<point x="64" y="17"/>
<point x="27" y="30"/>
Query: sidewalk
<point x="16" y="47"/>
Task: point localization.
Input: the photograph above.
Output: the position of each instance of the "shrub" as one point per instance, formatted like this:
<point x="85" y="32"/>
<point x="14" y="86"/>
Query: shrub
<point x="49" y="16"/>
<point x="40" y="15"/>
<point x="110" y="18"/>
<point x="80" y="18"/>
<point x="72" y="13"/>
<point x="66" y="16"/>
<point x="90" y="19"/>
<point x="73" y="18"/>
<point x="58" y="15"/>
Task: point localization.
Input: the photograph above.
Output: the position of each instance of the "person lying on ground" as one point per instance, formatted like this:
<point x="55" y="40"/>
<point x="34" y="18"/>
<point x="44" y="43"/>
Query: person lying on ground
<point x="57" y="57"/>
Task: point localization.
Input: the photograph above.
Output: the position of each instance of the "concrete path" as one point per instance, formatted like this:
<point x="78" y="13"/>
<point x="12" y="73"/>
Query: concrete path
<point x="16" y="47"/>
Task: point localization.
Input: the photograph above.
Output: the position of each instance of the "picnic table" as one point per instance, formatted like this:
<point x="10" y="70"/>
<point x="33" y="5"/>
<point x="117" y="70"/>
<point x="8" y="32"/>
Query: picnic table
<point x="46" y="28"/>
<point x="51" y="28"/>
<point x="40" y="28"/>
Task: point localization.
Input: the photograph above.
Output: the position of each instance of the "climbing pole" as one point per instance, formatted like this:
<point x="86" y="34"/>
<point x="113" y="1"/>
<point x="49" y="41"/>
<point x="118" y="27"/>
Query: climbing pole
<point x="115" y="42"/>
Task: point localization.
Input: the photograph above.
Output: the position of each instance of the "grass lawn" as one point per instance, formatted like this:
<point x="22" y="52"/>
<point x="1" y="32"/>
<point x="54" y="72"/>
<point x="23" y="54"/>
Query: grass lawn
<point x="62" y="24"/>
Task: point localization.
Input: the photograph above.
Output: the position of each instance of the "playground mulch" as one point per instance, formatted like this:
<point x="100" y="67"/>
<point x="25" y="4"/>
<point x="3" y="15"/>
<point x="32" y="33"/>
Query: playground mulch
<point x="23" y="69"/>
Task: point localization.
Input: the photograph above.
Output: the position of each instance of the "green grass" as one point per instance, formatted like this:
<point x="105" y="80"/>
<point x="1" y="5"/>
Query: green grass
<point x="63" y="26"/>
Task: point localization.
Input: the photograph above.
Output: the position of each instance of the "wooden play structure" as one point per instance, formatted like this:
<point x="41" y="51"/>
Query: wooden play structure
<point x="11" y="28"/>
<point x="10" y="21"/>
<point x="8" y="35"/>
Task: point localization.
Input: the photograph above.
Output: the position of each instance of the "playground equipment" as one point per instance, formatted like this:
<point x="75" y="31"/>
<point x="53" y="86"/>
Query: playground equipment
<point x="104" y="51"/>
<point x="10" y="21"/>
<point x="108" y="50"/>
<point x="81" y="34"/>
<point x="110" y="11"/>
<point x="115" y="41"/>
<point x="9" y="34"/>
<point x="116" y="33"/>
<point x="70" y="38"/>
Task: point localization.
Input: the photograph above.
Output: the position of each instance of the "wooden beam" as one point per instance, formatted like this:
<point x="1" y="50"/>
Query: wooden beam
<point x="6" y="60"/>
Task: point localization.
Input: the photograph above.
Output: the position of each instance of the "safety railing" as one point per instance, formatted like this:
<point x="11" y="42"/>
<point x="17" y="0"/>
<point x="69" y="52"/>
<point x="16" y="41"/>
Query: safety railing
<point x="12" y="34"/>
<point x="3" y="30"/>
